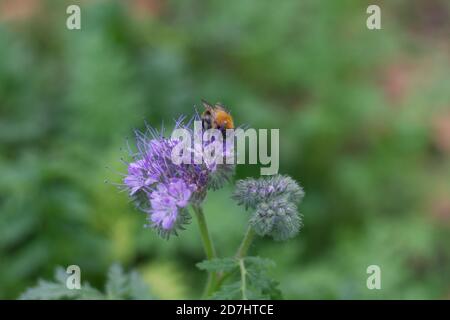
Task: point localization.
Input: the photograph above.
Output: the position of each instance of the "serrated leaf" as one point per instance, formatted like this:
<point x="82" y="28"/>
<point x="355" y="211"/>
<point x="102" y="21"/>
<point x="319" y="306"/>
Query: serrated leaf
<point x="116" y="284"/>
<point x="228" y="292"/>
<point x="261" y="285"/>
<point x="215" y="265"/>
<point x="119" y="286"/>
<point x="260" y="263"/>
<point x="46" y="290"/>
<point x="89" y="293"/>
<point x="254" y="271"/>
<point x="255" y="294"/>
<point x="264" y="286"/>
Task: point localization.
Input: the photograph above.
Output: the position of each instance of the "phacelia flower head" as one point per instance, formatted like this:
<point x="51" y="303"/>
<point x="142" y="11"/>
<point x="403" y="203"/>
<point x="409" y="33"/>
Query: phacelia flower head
<point x="277" y="218"/>
<point x="162" y="188"/>
<point x="139" y="177"/>
<point x="274" y="203"/>
<point x="167" y="206"/>
<point x="250" y="192"/>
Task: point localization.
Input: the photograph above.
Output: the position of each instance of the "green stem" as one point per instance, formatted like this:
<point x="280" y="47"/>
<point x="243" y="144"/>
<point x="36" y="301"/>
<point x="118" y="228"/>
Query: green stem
<point x="245" y="244"/>
<point x="241" y="253"/>
<point x="209" y="248"/>
<point x="243" y="279"/>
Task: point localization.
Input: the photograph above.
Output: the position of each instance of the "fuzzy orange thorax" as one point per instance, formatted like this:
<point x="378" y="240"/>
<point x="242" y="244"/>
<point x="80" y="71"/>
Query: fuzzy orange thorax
<point x="223" y="119"/>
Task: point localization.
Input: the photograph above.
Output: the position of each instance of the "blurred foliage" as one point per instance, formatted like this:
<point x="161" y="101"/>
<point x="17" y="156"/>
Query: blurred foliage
<point x="364" y="118"/>
<point x="118" y="286"/>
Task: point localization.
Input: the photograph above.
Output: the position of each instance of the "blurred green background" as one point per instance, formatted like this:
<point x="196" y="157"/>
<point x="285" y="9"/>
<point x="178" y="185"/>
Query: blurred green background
<point x="365" y="128"/>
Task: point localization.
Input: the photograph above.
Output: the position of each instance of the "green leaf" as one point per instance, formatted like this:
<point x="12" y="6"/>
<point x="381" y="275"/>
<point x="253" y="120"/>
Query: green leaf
<point x="119" y="285"/>
<point x="254" y="271"/>
<point x="46" y="290"/>
<point x="57" y="290"/>
<point x="89" y="293"/>
<point x="228" y="292"/>
<point x="117" y="282"/>
<point x="214" y="265"/>
<point x="261" y="285"/>
<point x="260" y="263"/>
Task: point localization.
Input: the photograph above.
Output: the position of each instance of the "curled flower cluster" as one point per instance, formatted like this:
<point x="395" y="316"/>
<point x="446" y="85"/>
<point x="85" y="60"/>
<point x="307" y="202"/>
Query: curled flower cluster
<point x="163" y="189"/>
<point x="274" y="203"/>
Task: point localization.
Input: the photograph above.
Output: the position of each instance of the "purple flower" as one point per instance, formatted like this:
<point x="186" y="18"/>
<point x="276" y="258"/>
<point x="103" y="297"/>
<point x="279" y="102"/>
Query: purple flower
<point x="166" y="201"/>
<point x="138" y="177"/>
<point x="162" y="188"/>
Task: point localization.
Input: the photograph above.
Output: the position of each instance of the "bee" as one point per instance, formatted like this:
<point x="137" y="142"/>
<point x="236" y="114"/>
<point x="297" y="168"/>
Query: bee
<point x="216" y="117"/>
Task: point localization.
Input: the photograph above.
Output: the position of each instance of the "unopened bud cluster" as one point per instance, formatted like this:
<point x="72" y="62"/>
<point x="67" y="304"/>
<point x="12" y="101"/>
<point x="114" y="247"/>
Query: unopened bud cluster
<point x="273" y="202"/>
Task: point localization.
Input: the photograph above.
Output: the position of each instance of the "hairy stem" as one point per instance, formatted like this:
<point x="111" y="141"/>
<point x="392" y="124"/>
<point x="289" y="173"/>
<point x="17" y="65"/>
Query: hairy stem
<point x="245" y="244"/>
<point x="243" y="279"/>
<point x="209" y="249"/>
<point x="241" y="253"/>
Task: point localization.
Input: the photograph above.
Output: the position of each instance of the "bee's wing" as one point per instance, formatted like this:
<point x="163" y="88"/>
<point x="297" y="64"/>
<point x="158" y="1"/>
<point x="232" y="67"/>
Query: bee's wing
<point x="207" y="105"/>
<point x="221" y="107"/>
